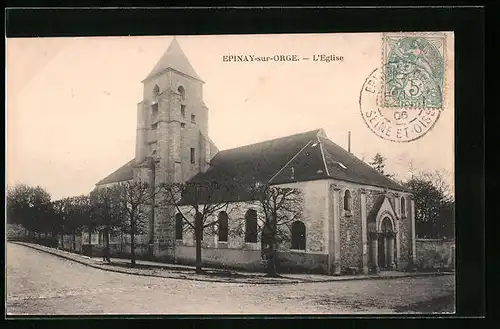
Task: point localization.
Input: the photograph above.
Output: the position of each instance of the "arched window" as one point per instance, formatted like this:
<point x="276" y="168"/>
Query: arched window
<point x="156" y="90"/>
<point x="403" y="207"/>
<point x="298" y="236"/>
<point x="347" y="200"/>
<point x="182" y="92"/>
<point x="223" y="226"/>
<point x="251" y="226"/>
<point x="179" y="226"/>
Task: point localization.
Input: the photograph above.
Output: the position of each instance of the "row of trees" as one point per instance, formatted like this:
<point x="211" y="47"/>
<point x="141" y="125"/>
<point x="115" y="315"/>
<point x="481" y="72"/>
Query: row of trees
<point x="125" y="208"/>
<point x="434" y="201"/>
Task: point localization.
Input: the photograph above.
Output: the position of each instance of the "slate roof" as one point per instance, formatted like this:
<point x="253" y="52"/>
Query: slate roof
<point x="124" y="173"/>
<point x="311" y="155"/>
<point x="260" y="161"/>
<point x="272" y="161"/>
<point x="174" y="58"/>
<point x="356" y="171"/>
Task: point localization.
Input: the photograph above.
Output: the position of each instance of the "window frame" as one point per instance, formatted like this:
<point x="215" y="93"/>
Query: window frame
<point x="403" y="207"/>
<point x="348" y="211"/>
<point x="302" y="242"/>
<point x="192" y="155"/>
<point x="223" y="228"/>
<point x="251" y="235"/>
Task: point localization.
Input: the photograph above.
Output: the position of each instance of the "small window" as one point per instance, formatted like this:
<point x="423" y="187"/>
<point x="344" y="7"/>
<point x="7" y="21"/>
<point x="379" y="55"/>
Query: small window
<point x="154" y="125"/>
<point x="347" y="200"/>
<point x="179" y="226"/>
<point x="192" y="155"/>
<point x="183" y="111"/>
<point x="223" y="226"/>
<point x="298" y="236"/>
<point x="156" y="90"/>
<point x="183" y="125"/>
<point x="193" y="118"/>
<point x="182" y="92"/>
<point x="403" y="207"/>
<point x="251" y="226"/>
<point x="154" y="107"/>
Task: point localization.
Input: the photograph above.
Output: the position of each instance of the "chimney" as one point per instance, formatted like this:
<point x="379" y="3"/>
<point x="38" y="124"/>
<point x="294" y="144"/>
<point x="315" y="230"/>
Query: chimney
<point x="349" y="142"/>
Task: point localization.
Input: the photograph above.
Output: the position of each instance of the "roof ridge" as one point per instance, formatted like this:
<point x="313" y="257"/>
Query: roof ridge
<point x="288" y="162"/>
<point x="355" y="158"/>
<point x="270" y="140"/>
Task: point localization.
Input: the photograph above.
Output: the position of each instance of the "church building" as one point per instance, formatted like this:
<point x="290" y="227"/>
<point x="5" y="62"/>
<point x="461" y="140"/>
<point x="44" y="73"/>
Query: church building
<point x="354" y="219"/>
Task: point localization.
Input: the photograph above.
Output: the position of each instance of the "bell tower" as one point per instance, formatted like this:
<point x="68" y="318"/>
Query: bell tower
<point x="172" y="143"/>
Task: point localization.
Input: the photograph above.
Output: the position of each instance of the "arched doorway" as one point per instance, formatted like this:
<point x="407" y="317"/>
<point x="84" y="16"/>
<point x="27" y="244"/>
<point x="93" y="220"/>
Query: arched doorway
<point x="386" y="243"/>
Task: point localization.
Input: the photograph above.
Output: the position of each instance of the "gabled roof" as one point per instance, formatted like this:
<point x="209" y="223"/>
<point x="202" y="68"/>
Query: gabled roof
<point x="124" y="173"/>
<point x="260" y="161"/>
<point x="300" y="157"/>
<point x="357" y="171"/>
<point x="174" y="58"/>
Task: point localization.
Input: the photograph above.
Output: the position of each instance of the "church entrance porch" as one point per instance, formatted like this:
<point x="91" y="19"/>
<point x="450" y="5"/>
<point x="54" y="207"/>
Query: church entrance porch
<point x="382" y="251"/>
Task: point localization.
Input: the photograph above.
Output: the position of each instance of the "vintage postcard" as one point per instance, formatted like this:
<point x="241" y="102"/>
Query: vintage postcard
<point x="231" y="174"/>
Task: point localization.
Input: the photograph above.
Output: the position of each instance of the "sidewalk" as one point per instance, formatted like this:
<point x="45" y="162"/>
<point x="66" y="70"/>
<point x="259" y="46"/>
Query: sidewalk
<point x="174" y="271"/>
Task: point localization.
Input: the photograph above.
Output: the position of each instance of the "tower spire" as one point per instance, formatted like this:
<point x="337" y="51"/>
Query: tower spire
<point x="174" y="58"/>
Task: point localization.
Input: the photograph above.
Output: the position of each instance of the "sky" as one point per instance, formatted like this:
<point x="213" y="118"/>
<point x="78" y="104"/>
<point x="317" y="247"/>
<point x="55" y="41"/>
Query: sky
<point x="72" y="102"/>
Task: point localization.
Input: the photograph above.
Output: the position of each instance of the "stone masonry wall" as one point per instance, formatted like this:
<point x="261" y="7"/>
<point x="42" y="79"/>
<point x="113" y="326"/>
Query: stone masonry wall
<point x="435" y="254"/>
<point x="350" y="227"/>
<point x="350" y="231"/>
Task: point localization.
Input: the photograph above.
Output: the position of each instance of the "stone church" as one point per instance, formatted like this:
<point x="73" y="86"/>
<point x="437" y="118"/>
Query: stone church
<point x="354" y="219"/>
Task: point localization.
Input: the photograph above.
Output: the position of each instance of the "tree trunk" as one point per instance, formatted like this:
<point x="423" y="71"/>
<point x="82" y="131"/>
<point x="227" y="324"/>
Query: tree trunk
<point x="132" y="244"/>
<point x="107" y="251"/>
<point x="74" y="241"/>
<point x="132" y="249"/>
<point x="271" y="263"/>
<point x="198" y="230"/>
<point x="199" y="268"/>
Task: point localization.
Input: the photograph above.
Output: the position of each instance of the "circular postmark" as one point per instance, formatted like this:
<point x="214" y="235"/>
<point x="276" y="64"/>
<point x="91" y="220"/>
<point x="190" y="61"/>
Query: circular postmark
<point x="397" y="124"/>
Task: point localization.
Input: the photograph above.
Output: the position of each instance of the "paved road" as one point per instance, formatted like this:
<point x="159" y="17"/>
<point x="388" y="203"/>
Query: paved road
<point x="40" y="283"/>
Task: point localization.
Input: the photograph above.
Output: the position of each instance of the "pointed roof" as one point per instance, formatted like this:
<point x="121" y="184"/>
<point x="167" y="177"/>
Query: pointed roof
<point x="174" y="58"/>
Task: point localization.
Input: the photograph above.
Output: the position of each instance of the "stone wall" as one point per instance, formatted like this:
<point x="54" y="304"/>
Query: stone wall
<point x="435" y="254"/>
<point x="350" y="230"/>
<point x="351" y="248"/>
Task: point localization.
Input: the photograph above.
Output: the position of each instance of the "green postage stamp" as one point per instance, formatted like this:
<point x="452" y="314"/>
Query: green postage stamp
<point x="413" y="70"/>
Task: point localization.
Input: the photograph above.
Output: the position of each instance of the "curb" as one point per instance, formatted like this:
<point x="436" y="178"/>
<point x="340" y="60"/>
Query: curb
<point x="338" y="279"/>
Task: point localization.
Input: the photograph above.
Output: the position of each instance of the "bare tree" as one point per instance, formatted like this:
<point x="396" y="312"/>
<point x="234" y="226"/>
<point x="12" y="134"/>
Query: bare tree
<point x="77" y="215"/>
<point x="134" y="197"/>
<point x="198" y="204"/>
<point x="107" y="211"/>
<point x="280" y="206"/>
